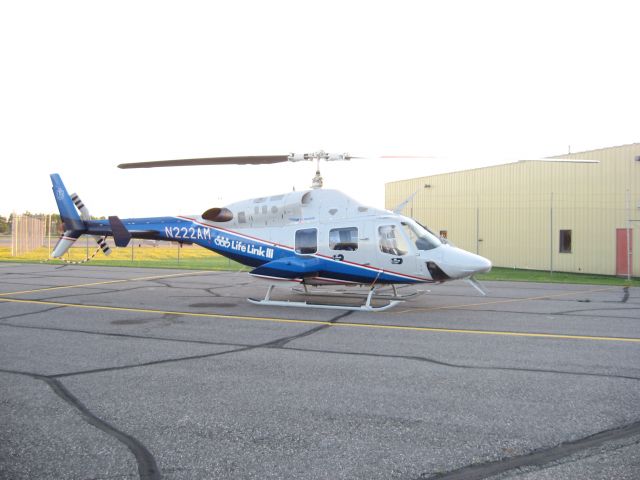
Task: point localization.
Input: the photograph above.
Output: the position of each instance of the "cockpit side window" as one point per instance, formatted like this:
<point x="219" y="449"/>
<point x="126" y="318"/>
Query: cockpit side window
<point x="419" y="236"/>
<point x="392" y="241"/>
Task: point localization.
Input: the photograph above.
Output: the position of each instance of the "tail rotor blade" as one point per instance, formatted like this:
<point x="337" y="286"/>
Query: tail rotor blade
<point x="102" y="243"/>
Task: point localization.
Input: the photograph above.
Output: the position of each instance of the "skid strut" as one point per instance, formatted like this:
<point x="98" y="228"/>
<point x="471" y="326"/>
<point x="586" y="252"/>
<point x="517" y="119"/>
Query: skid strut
<point x="366" y="307"/>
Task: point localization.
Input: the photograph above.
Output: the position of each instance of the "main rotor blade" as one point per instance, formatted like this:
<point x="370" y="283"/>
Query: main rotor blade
<point x="391" y="156"/>
<point x="253" y="160"/>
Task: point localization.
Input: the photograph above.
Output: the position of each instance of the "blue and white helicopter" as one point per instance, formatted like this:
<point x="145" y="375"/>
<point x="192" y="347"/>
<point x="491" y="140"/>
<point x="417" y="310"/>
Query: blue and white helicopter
<point x="315" y="237"/>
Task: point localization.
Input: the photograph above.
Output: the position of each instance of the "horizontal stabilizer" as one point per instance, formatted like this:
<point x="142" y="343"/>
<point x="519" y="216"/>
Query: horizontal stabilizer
<point x="289" y="267"/>
<point x="121" y="235"/>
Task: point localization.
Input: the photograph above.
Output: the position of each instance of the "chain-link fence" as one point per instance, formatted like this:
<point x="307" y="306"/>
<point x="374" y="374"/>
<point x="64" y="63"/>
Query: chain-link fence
<point x="30" y="232"/>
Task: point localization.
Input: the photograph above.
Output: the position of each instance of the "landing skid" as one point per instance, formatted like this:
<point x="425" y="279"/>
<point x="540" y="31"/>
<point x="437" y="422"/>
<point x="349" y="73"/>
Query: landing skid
<point x="366" y="307"/>
<point x="342" y="294"/>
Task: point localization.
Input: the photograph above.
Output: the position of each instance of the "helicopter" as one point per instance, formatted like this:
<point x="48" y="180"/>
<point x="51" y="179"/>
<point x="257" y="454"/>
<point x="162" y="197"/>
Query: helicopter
<point x="315" y="238"/>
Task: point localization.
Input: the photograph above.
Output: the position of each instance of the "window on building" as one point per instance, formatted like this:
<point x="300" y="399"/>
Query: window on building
<point x="392" y="241"/>
<point x="343" y="239"/>
<point x="565" y="241"/>
<point x="307" y="241"/>
<point x="443" y="234"/>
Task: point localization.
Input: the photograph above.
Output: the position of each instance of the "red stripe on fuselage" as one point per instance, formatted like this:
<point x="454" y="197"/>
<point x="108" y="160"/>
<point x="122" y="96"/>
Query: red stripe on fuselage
<point x="267" y="242"/>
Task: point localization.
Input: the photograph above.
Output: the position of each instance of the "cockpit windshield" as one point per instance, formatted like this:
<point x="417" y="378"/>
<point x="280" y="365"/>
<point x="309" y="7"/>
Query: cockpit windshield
<point x="420" y="236"/>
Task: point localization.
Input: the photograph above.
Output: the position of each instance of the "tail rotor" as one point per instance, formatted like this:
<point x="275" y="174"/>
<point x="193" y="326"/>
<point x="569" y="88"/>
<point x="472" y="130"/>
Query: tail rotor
<point x="75" y="225"/>
<point x="85" y="216"/>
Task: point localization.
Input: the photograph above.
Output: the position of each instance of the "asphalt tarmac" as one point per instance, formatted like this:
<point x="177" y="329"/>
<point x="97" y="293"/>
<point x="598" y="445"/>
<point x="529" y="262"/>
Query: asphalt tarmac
<point x="146" y="373"/>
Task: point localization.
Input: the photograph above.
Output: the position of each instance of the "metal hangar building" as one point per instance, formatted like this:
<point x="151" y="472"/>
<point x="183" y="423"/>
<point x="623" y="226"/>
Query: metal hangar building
<point x="565" y="216"/>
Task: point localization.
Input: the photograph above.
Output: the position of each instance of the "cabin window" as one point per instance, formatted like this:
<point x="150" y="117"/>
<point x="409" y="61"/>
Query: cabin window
<point x="307" y="241"/>
<point x="343" y="239"/>
<point x="565" y="241"/>
<point x="392" y="241"/>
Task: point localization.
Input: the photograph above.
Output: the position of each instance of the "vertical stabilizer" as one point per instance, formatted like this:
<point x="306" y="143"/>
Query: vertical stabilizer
<point x="73" y="224"/>
<point x="67" y="209"/>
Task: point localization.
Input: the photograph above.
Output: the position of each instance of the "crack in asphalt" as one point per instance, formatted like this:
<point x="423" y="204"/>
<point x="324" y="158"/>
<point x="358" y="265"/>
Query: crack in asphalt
<point x="127" y="335"/>
<point x="466" y="367"/>
<point x="147" y="467"/>
<point x="18" y="315"/>
<point x="577" y="313"/>
<point x="568" y="313"/>
<point x="539" y="457"/>
<point x="98" y="291"/>
<point x="281" y="344"/>
<point x="277" y="343"/>
<point x="625" y="297"/>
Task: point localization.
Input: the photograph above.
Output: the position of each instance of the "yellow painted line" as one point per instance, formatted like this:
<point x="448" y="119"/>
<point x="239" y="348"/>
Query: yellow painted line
<point x="163" y="312"/>
<point x="321" y="322"/>
<point x="106" y="282"/>
<point x="496" y="302"/>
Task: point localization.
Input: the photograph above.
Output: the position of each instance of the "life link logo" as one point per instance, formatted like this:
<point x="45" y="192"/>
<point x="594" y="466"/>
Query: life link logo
<point x="240" y="246"/>
<point x="223" y="242"/>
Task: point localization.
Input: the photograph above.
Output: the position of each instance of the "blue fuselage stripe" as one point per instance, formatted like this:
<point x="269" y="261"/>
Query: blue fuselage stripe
<point x="244" y="249"/>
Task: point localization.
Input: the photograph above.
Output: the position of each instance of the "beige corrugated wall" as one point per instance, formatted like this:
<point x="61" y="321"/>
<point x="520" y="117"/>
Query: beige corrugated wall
<point x="513" y="213"/>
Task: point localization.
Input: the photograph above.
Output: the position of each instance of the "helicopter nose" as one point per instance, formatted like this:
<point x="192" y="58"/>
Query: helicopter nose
<point x="458" y="263"/>
<point x="482" y="265"/>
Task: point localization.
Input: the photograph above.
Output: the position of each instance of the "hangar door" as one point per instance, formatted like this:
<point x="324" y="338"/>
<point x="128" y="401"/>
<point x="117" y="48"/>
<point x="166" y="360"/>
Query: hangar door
<point x="621" y="252"/>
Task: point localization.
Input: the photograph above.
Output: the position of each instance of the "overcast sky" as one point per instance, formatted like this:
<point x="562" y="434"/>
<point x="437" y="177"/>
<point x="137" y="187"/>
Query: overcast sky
<point x="88" y="85"/>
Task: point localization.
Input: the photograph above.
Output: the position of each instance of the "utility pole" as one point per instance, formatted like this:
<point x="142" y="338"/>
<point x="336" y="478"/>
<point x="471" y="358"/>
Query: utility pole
<point x="49" y="243"/>
<point x="477" y="225"/>
<point x="628" y="234"/>
<point x="551" y="234"/>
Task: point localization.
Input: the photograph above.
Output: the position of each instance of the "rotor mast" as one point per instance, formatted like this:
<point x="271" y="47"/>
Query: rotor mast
<point x="317" y="181"/>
